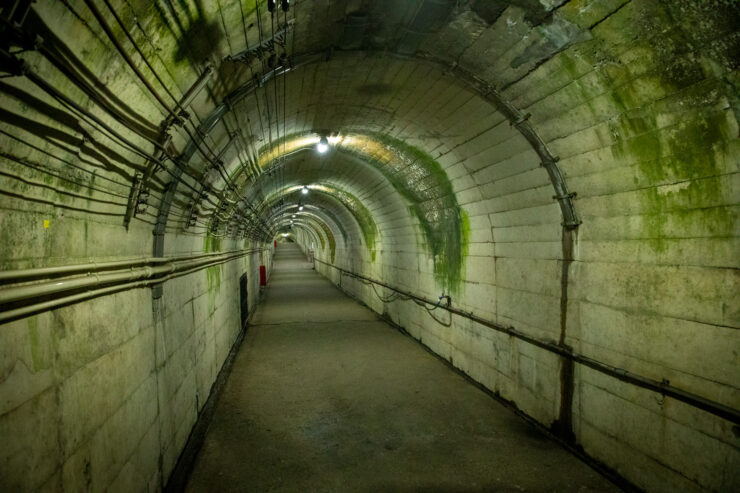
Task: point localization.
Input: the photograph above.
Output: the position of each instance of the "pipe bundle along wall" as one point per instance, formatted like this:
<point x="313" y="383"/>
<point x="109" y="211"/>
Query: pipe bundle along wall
<point x="162" y="270"/>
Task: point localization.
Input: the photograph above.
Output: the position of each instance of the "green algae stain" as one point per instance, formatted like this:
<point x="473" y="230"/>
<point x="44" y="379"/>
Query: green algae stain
<point x="321" y="238"/>
<point x="330" y="239"/>
<point x="361" y="214"/>
<point x="678" y="167"/>
<point x="212" y="244"/>
<point x="669" y="127"/>
<point x="420" y="179"/>
<point x="213" y="274"/>
<point x="325" y="211"/>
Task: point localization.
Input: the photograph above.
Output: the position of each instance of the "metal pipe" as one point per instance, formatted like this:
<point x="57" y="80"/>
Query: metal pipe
<point x="22" y="275"/>
<point x="24" y="69"/>
<point x="64" y="300"/>
<point x="39" y="81"/>
<point x="196" y="87"/>
<point x="664" y="388"/>
<point x="141" y="53"/>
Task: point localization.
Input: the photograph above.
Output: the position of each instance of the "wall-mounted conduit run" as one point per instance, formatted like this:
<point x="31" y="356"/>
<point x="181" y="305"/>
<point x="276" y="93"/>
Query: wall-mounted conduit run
<point x="664" y="388"/>
<point x="34" y="290"/>
<point x="521" y="122"/>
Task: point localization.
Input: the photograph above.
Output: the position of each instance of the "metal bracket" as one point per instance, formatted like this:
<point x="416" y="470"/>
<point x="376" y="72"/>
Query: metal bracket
<point x="565" y="196"/>
<point x="266" y="48"/>
<point x="550" y="161"/>
<point x="521" y="119"/>
<point x="133" y="199"/>
<point x="142" y="201"/>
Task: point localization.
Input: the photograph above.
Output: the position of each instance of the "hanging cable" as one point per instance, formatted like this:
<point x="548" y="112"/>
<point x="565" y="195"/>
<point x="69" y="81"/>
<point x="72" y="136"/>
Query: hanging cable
<point x="141" y="53"/>
<point x="101" y="20"/>
<point x="68" y="163"/>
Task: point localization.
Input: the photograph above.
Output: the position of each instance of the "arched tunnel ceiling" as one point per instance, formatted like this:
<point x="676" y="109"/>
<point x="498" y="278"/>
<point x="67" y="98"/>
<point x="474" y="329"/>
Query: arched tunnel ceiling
<point x="459" y="132"/>
<point x="382" y="127"/>
<point x="413" y="174"/>
<point x="417" y="94"/>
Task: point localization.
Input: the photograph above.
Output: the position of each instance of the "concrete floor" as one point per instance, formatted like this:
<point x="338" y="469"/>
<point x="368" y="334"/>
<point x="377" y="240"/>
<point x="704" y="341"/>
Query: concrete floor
<point x="324" y="396"/>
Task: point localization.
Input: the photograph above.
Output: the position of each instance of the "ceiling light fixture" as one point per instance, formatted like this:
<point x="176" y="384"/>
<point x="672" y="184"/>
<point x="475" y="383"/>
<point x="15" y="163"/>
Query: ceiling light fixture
<point x="322" y="146"/>
<point x="304" y="190"/>
<point x="300" y="207"/>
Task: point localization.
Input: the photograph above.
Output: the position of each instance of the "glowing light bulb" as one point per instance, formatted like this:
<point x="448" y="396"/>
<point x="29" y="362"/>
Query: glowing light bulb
<point x="322" y="146"/>
<point x="304" y="190"/>
<point x="300" y="208"/>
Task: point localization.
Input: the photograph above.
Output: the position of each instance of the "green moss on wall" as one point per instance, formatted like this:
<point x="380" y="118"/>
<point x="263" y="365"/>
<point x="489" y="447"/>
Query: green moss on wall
<point x="336" y="221"/>
<point x="321" y="238"/>
<point x="212" y="244"/>
<point x="672" y="125"/>
<point x="213" y="274"/>
<point x="673" y="163"/>
<point x="361" y="214"/>
<point x="420" y="179"/>
<point x="330" y="239"/>
<point x="677" y="167"/>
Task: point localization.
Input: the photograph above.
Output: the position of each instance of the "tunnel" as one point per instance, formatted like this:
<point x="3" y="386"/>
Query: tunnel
<point x="355" y="245"/>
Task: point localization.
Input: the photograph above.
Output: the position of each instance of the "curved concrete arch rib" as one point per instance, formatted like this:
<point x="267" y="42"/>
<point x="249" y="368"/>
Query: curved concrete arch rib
<point x="286" y="227"/>
<point x="484" y="89"/>
<point x="318" y="227"/>
<point x="332" y="198"/>
<point x="317" y="214"/>
<point x="416" y="177"/>
<point x="324" y="214"/>
<point x="414" y="174"/>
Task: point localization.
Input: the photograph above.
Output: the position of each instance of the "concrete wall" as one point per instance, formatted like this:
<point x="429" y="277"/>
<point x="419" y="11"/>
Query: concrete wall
<point x="102" y="395"/>
<point x="653" y="282"/>
<point x="637" y="98"/>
